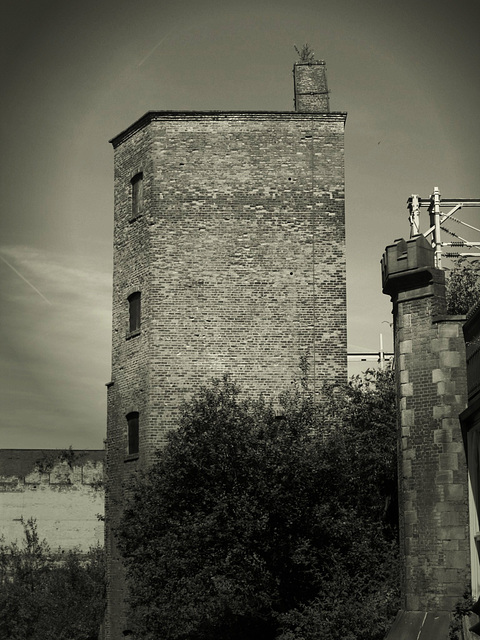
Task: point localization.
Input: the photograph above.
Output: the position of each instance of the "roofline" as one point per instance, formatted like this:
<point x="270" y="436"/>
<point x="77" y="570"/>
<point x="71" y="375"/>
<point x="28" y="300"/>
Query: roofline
<point x="61" y="450"/>
<point x="152" y="116"/>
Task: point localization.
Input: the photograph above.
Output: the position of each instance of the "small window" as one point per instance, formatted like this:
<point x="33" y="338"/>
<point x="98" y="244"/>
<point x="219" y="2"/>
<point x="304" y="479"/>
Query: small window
<point x="137" y="195"/>
<point x="134" y="312"/>
<point x="133" y="433"/>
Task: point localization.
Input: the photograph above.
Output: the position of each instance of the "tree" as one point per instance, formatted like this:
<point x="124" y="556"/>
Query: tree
<point x="463" y="286"/>
<point x="47" y="596"/>
<point x="255" y="526"/>
<point x="361" y="594"/>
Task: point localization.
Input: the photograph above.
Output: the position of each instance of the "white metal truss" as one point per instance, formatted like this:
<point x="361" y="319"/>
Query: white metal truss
<point x="380" y="356"/>
<point x="438" y="217"/>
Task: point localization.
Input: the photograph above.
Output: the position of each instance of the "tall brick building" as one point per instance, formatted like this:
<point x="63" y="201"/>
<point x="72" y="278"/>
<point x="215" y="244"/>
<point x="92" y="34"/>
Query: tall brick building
<point x="229" y="256"/>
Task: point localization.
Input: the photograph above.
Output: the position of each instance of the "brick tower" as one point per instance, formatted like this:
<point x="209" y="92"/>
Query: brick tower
<point x="229" y="256"/>
<point x="433" y="488"/>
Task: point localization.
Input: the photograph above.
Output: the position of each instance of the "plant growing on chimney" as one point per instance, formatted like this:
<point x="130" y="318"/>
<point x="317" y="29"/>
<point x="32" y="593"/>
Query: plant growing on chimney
<point x="305" y="54"/>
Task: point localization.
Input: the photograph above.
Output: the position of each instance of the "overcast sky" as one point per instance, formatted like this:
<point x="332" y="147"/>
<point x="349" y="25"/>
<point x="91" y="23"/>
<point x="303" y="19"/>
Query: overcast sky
<point x="74" y="74"/>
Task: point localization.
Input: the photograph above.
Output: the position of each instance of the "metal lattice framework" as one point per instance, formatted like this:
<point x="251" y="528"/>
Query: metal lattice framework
<point x="438" y="217"/>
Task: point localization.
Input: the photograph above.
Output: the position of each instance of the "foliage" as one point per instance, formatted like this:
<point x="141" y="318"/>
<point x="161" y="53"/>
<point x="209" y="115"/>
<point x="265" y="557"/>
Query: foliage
<point x="48" y="460"/>
<point x="462" y="609"/>
<point x="45" y="596"/>
<point x="463" y="286"/>
<point x="251" y="526"/>
<point x="305" y="54"/>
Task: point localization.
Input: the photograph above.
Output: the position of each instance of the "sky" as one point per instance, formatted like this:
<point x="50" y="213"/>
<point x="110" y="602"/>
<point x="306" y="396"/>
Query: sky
<point x="75" y="74"/>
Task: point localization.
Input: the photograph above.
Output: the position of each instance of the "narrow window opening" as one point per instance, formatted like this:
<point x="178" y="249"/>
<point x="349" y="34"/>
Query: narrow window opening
<point x="133" y="433"/>
<point x="134" y="311"/>
<point x="137" y="195"/>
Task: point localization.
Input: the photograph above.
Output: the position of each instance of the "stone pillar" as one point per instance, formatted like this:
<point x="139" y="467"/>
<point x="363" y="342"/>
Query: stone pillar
<point x="431" y="391"/>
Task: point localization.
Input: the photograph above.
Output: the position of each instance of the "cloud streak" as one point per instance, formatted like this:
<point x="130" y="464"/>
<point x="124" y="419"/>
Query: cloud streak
<point x="25" y="279"/>
<point x="56" y="360"/>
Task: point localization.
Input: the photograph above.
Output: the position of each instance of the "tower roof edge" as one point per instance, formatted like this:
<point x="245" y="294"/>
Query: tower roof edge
<point x="152" y="116"/>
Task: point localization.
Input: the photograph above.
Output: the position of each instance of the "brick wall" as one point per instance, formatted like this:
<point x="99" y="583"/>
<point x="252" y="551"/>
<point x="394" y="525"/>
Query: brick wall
<point x="64" y="499"/>
<point x="239" y="255"/>
<point x="310" y="84"/>
<point x="431" y="387"/>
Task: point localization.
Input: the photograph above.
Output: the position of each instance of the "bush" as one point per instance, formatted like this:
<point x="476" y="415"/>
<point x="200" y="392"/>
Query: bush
<point x="50" y="596"/>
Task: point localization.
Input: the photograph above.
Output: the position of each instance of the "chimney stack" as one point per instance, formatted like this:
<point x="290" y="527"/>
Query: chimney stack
<point x="310" y="83"/>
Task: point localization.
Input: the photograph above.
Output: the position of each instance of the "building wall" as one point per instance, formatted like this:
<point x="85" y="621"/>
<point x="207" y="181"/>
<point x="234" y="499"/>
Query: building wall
<point x="431" y="388"/>
<point x="470" y="420"/>
<point x="64" y="500"/>
<point x="239" y="254"/>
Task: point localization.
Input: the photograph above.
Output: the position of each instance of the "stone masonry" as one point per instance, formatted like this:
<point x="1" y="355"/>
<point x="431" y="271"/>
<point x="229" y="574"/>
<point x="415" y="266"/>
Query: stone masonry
<point x="431" y="389"/>
<point x="230" y="226"/>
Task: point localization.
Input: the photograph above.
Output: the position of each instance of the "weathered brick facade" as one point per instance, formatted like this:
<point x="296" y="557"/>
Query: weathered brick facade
<point x="64" y="497"/>
<point x="431" y="389"/>
<point x="238" y="250"/>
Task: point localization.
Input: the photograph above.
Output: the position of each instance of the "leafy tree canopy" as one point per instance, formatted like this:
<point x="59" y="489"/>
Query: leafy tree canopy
<point x="463" y="286"/>
<point x="255" y="526"/>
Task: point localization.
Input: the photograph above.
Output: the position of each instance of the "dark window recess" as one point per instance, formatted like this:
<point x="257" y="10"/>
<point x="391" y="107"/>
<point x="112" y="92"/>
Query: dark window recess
<point x="134" y="312"/>
<point x="137" y="195"/>
<point x="133" y="435"/>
